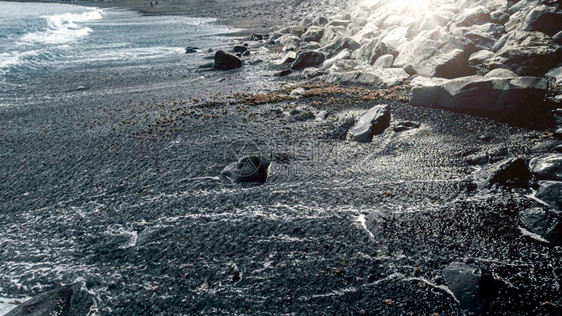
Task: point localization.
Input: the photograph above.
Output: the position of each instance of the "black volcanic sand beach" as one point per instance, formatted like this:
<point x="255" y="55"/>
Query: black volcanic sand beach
<point x="114" y="189"/>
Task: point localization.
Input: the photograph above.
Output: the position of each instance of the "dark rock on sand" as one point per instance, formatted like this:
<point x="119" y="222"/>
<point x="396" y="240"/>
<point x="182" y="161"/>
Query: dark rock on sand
<point x="247" y="169"/>
<point x="371" y="123"/>
<point x="473" y="288"/>
<point x="543" y="222"/>
<point x="239" y="49"/>
<point x="547" y="168"/>
<point x="191" y="50"/>
<point x="308" y="59"/>
<point x="283" y="73"/>
<point x="509" y="171"/>
<point x="226" y="61"/>
<point x="405" y="126"/>
<point x="558" y="133"/>
<point x="256" y="37"/>
<point x="500" y="95"/>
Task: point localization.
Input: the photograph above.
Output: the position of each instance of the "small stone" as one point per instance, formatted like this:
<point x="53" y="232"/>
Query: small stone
<point x="256" y="37"/>
<point x="239" y="49"/>
<point x="474" y="288"/>
<point x="283" y="73"/>
<point x="543" y="222"/>
<point x="247" y="169"/>
<point x="406" y="126"/>
<point x="191" y="50"/>
<point x="558" y="133"/>
<point x="226" y="61"/>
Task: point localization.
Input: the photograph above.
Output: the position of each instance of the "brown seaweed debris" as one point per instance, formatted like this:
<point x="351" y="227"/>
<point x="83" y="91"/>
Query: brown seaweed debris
<point x="322" y="90"/>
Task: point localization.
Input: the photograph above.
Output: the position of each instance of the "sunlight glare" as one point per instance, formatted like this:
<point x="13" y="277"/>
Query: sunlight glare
<point x="401" y="6"/>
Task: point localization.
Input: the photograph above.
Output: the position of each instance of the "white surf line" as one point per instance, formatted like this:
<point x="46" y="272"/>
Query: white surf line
<point x="433" y="285"/>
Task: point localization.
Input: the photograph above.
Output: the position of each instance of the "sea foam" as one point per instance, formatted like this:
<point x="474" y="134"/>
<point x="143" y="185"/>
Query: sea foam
<point x="63" y="28"/>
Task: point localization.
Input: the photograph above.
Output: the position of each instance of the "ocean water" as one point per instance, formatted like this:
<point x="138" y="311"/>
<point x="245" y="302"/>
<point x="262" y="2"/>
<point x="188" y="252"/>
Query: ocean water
<point x="47" y="48"/>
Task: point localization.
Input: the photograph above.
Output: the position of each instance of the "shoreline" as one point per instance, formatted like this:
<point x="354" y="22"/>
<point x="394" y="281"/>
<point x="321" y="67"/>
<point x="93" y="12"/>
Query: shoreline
<point x="248" y="19"/>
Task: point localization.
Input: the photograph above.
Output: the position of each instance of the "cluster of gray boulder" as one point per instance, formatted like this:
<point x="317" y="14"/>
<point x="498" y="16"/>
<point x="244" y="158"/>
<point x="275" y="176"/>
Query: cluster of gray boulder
<point x="502" y="50"/>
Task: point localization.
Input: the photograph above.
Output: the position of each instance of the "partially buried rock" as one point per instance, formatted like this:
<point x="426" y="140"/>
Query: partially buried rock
<point x="547" y="168"/>
<point x="477" y="93"/>
<point x="373" y="122"/>
<point x="256" y="37"/>
<point x="283" y="73"/>
<point x="239" y="49"/>
<point x="406" y="126"/>
<point x="550" y="192"/>
<point x="308" y="59"/>
<point x="191" y="50"/>
<point x="474" y="288"/>
<point x="544" y="222"/>
<point x="247" y="169"/>
<point x="226" y="61"/>
<point x="511" y="171"/>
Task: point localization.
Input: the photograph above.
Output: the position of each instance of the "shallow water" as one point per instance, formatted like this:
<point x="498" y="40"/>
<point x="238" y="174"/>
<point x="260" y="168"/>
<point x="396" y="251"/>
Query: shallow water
<point x="46" y="48"/>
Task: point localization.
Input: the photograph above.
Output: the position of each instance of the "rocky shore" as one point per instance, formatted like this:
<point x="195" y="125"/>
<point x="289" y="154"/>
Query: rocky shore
<point x="386" y="158"/>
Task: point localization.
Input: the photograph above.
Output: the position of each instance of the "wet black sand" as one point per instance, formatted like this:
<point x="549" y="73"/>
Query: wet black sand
<point x="112" y="188"/>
